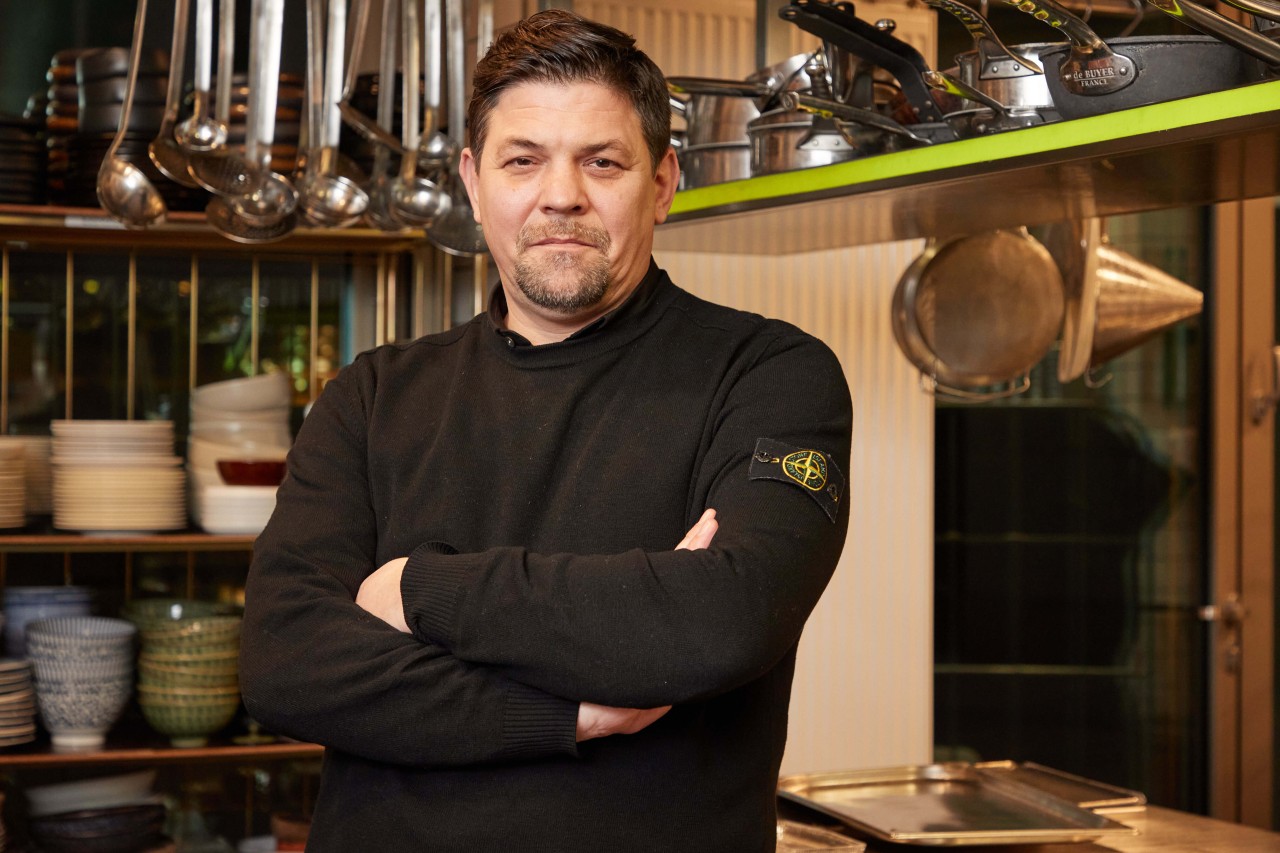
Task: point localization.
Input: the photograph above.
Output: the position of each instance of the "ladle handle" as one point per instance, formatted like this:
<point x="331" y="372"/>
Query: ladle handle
<point x="457" y="71"/>
<point x="130" y="82"/>
<point x="433" y="47"/>
<point x="204" y="47"/>
<point x="1211" y="23"/>
<point x="410" y="103"/>
<point x="226" y="58"/>
<point x="1259" y="8"/>
<point x="484" y="28"/>
<point x="315" y="83"/>
<point x="177" y="50"/>
<point x="336" y="37"/>
<point x="359" y="14"/>
<point x="386" y="79"/>
<point x="985" y="40"/>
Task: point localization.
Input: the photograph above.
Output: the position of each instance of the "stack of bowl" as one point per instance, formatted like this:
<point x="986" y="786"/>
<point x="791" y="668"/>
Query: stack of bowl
<point x="239" y="438"/>
<point x="23" y="604"/>
<point x="37" y="474"/>
<point x="83" y="675"/>
<point x="188" y="669"/>
<point x="22" y="160"/>
<point x="13" y="489"/>
<point x="100" y="814"/>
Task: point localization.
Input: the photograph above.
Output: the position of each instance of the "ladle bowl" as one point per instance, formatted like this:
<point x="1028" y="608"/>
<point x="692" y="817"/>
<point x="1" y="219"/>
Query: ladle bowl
<point x="128" y="195"/>
<point x="332" y="200"/>
<point x="417" y="201"/>
<point x="200" y="134"/>
<point x="271" y="202"/>
<point x="230" y="224"/>
<point x="456" y="231"/>
<point x="169" y="157"/>
<point x="223" y="171"/>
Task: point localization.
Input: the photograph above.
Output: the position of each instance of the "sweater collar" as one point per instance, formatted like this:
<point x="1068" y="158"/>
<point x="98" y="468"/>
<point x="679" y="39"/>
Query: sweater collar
<point x="631" y="312"/>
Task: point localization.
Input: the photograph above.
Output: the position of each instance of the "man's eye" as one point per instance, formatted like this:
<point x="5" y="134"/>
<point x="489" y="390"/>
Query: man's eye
<point x="602" y="163"/>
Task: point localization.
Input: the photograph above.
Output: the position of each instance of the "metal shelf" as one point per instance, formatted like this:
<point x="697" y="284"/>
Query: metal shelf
<point x="81" y="543"/>
<point x="1202" y="150"/>
<point x="41" y="754"/>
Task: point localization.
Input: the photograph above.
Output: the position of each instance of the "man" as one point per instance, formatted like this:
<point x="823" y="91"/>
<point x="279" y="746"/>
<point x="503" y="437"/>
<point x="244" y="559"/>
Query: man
<point x="537" y="582"/>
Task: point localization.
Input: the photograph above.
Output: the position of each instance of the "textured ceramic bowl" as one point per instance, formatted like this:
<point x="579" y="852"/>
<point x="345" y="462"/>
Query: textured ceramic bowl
<point x="149" y="612"/>
<point x="82" y="637"/>
<point x="79" y="716"/>
<point x="188" y="715"/>
<point x="159" y="675"/>
<point x="212" y="661"/>
<point x="198" y="632"/>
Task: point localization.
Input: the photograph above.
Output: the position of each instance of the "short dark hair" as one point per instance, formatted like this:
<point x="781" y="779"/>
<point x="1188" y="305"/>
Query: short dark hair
<point x="557" y="46"/>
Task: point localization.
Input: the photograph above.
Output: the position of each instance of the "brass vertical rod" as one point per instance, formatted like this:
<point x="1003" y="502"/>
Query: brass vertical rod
<point x="446" y="290"/>
<point x="480" y="279"/>
<point x="128" y="575"/>
<point x="131" y="342"/>
<point x="254" y="293"/>
<point x="66" y="569"/>
<point x="191" y="574"/>
<point x="71" y="332"/>
<point x="392" y="329"/>
<point x="4" y="567"/>
<point x="193" y="322"/>
<point x="446" y="260"/>
<point x="313" y="346"/>
<point x="418" y="310"/>
<point x="6" y="285"/>
<point x="380" y="313"/>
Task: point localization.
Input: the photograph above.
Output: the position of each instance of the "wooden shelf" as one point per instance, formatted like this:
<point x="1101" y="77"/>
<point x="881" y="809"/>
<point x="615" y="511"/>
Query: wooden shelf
<point x="41" y="754"/>
<point x="1212" y="148"/>
<point x="60" y="228"/>
<point x="82" y="543"/>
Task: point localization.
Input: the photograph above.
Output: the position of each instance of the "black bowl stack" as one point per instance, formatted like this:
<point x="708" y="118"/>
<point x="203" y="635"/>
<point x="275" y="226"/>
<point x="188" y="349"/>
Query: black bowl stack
<point x="61" y="111"/>
<point x="22" y="160"/>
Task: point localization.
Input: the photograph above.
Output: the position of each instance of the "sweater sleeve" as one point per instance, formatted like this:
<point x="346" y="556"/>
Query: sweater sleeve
<point x="316" y="666"/>
<point x="643" y="629"/>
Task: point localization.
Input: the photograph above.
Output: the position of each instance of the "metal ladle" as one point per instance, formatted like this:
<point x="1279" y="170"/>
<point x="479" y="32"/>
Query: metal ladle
<point x="202" y="132"/>
<point x="412" y="199"/>
<point x="269" y="212"/>
<point x="123" y="190"/>
<point x="457" y="231"/>
<point x="204" y="164"/>
<point x="327" y="198"/>
<point x="164" y="150"/>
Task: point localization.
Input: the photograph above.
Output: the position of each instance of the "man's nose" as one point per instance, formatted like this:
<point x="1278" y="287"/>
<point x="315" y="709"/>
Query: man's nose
<point x="563" y="190"/>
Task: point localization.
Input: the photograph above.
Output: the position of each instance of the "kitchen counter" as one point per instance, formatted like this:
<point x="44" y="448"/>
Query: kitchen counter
<point x="1165" y="830"/>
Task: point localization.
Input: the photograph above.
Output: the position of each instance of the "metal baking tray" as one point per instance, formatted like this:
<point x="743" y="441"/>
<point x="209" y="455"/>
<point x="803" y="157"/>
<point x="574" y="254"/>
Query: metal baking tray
<point x="952" y="803"/>
<point x="1085" y="793"/>
<point x="793" y="836"/>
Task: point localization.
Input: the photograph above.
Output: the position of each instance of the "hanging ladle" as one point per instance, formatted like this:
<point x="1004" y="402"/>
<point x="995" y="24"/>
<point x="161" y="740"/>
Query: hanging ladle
<point x="412" y="199"/>
<point x="206" y="165"/>
<point x="327" y="198"/>
<point x="269" y="212"/>
<point x="123" y="190"/>
<point x="164" y="150"/>
<point x="202" y="132"/>
<point x="437" y="152"/>
<point x="457" y="231"/>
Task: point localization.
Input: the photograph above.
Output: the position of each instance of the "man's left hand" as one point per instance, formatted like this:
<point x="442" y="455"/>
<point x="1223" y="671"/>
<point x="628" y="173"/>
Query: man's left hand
<point x="380" y="594"/>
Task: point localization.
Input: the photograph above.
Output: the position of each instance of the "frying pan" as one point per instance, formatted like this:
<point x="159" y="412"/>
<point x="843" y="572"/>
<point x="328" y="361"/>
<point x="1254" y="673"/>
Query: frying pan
<point x="1088" y="76"/>
<point x="978" y="311"/>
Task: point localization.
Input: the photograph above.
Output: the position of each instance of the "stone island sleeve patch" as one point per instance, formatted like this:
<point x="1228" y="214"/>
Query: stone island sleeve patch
<point x="812" y="470"/>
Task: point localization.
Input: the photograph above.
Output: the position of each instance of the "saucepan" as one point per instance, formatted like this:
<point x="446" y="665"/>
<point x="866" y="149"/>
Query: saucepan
<point x="975" y="313"/>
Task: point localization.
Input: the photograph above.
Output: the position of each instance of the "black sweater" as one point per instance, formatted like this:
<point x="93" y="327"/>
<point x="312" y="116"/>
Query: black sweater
<point x="538" y="492"/>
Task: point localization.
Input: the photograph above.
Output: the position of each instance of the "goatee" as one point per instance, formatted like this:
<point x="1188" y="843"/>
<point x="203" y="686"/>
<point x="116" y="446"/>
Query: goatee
<point x="569" y="281"/>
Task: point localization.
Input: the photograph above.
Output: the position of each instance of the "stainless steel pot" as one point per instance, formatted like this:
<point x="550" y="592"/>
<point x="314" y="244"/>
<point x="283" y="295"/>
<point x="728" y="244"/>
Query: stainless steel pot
<point x="704" y="165"/>
<point x="783" y="140"/>
<point x="716" y="111"/>
<point x="1007" y="81"/>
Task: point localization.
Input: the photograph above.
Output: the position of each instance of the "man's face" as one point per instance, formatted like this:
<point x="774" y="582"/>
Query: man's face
<point x="568" y="197"/>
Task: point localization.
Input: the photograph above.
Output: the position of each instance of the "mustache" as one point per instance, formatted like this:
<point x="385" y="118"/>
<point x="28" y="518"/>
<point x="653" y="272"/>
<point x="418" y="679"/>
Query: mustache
<point x="562" y="230"/>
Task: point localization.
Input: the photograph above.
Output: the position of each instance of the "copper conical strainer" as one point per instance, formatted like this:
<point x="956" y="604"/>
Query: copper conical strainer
<point x="1114" y="301"/>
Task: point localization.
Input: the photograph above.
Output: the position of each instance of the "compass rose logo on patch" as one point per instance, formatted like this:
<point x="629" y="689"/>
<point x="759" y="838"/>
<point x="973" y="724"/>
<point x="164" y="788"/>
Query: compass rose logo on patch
<point x="806" y="467"/>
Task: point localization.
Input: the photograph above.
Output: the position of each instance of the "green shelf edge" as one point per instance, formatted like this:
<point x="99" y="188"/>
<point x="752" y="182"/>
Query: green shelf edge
<point x="1056" y="136"/>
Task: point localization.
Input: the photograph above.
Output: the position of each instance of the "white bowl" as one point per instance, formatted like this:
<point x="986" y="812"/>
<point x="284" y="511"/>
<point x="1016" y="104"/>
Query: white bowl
<point x="101" y="793"/>
<point x="247" y="393"/>
<point x="204" y="454"/>
<point x="244" y="432"/>
<point x="207" y="415"/>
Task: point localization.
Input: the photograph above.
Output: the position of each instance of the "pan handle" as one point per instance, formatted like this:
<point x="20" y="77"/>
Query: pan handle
<point x="1211" y="23"/>
<point x="985" y="40"/>
<point x="1259" y="8"/>
<point x="836" y="23"/>
<point x="930" y="384"/>
<point x="1091" y="68"/>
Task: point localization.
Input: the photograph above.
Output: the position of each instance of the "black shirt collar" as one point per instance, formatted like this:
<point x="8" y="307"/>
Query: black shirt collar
<point x="631" y="305"/>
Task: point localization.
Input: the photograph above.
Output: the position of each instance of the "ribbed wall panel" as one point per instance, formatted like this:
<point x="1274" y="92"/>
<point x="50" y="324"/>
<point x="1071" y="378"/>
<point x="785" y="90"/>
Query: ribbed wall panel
<point x="863" y="688"/>
<point x="704" y="39"/>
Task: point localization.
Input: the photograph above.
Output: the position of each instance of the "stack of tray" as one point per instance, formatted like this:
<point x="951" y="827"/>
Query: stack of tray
<point x="957" y="803"/>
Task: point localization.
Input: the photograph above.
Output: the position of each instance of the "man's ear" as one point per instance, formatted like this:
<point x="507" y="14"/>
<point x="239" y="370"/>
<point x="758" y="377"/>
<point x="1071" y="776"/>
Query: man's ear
<point x="667" y="180"/>
<point x="467" y="170"/>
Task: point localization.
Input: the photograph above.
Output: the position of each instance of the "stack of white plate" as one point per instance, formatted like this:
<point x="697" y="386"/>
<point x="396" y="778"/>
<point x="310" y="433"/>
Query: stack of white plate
<point x="237" y="419"/>
<point x="117" y="477"/>
<point x="17" y="703"/>
<point x="13" y="489"/>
